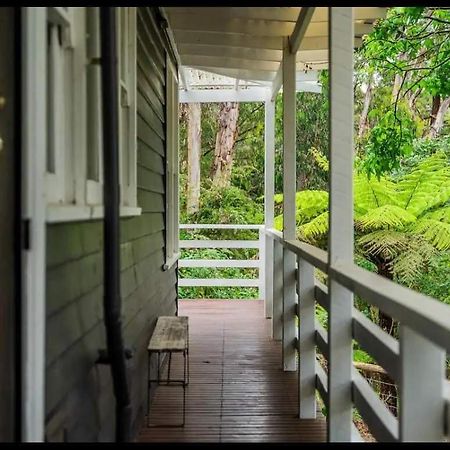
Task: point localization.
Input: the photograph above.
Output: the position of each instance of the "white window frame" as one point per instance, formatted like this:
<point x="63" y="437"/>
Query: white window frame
<point x="74" y="191"/>
<point x="172" y="168"/>
<point x="126" y="47"/>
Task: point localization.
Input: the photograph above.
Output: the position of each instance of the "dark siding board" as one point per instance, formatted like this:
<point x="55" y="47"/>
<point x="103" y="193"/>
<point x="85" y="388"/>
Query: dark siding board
<point x="147" y="245"/>
<point x="148" y="136"/>
<point x="143" y="225"/>
<point x="148" y="68"/>
<point x="64" y="374"/>
<point x="149" y="180"/>
<point x="148" y="92"/>
<point x="152" y="120"/>
<point x="147" y="20"/>
<point x="128" y="283"/>
<point x="149" y="159"/>
<point x="150" y="201"/>
<point x="72" y="323"/>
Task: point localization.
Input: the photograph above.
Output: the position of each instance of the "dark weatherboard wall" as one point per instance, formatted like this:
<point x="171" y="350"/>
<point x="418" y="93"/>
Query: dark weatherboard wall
<point x="79" y="394"/>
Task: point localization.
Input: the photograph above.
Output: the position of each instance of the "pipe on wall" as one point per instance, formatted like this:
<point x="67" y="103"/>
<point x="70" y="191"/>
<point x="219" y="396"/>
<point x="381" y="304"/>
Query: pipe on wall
<point x="111" y="249"/>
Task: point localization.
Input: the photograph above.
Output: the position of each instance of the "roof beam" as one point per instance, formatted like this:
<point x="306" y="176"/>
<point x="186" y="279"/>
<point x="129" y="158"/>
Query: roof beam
<point x="297" y="35"/>
<point x="224" y="95"/>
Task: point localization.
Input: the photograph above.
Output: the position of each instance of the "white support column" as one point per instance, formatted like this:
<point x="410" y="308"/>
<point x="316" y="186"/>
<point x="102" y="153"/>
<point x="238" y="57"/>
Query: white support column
<point x="307" y="345"/>
<point x="289" y="185"/>
<point x="277" y="271"/>
<point x="269" y="189"/>
<point x="422" y="399"/>
<point x="34" y="72"/>
<point x="340" y="238"/>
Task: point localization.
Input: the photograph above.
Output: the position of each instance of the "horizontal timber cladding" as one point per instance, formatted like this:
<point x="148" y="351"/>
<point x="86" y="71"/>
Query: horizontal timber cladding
<point x="80" y="405"/>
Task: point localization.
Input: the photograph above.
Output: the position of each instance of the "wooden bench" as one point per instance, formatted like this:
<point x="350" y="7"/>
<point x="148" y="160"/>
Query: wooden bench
<point x="171" y="335"/>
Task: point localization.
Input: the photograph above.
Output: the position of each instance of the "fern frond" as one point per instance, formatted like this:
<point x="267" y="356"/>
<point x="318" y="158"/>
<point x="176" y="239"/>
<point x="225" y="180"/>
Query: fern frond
<point x="387" y="244"/>
<point x="409" y="265"/>
<point x="372" y="193"/>
<point x="387" y="216"/>
<point x="441" y="214"/>
<point x="426" y="186"/>
<point x="434" y="231"/>
<point x="309" y="204"/>
<point x="315" y="228"/>
<point x="278" y="222"/>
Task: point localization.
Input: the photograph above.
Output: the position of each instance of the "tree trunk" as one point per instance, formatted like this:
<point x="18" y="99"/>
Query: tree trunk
<point x="388" y="392"/>
<point x="438" y="122"/>
<point x="363" y="119"/>
<point x="194" y="151"/>
<point x="225" y="140"/>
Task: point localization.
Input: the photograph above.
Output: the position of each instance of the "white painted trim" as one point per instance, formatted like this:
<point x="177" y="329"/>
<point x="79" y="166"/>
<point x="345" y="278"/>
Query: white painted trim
<point x="34" y="46"/>
<point x="304" y="18"/>
<point x="78" y="213"/>
<point x="197" y="243"/>
<point x="256" y="94"/>
<point x="222" y="282"/>
<point x="171" y="261"/>
<point x="241" y="263"/>
<point x="219" y="226"/>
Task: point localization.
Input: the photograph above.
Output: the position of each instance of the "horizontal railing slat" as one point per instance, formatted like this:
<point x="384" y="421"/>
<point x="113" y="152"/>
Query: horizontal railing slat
<point x="243" y="263"/>
<point x="321" y="295"/>
<point x="381" y="422"/>
<point x="322" y="340"/>
<point x="203" y="243"/>
<point x="423" y="314"/>
<point x="315" y="256"/>
<point x="322" y="383"/>
<point x="383" y="347"/>
<point x="218" y="226"/>
<point x="220" y="282"/>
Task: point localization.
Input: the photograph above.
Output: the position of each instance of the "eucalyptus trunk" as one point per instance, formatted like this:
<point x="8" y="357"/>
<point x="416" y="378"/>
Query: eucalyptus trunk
<point x="225" y="144"/>
<point x="363" y="123"/>
<point x="194" y="151"/>
<point x="438" y="123"/>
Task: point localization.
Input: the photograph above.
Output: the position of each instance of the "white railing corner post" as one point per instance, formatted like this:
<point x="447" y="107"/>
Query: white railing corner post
<point x="340" y="237"/>
<point x="306" y="339"/>
<point x="289" y="187"/>
<point x="422" y="389"/>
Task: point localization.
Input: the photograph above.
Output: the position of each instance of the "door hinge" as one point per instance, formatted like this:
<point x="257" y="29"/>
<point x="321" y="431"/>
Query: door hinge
<point x="26" y="225"/>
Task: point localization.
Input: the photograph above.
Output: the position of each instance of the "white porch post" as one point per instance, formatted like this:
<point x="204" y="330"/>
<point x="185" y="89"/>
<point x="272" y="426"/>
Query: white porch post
<point x="289" y="184"/>
<point x="341" y="221"/>
<point x="269" y="189"/>
<point x="34" y="72"/>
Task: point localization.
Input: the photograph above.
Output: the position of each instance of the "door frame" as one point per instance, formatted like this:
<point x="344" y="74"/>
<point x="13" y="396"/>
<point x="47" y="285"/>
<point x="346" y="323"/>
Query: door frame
<point x="34" y="142"/>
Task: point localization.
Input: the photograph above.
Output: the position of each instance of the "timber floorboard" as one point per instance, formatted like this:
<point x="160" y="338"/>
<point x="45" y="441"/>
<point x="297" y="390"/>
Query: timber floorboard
<point x="238" y="391"/>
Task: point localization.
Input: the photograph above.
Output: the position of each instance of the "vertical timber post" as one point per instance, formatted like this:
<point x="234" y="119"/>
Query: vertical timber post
<point x="269" y="189"/>
<point x="422" y="399"/>
<point x="340" y="237"/>
<point x="262" y="263"/>
<point x="307" y="345"/>
<point x="289" y="185"/>
<point x="277" y="274"/>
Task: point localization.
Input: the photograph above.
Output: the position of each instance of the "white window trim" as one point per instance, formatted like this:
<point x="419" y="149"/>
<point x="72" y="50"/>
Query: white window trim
<point x="172" y="169"/>
<point x="70" y="195"/>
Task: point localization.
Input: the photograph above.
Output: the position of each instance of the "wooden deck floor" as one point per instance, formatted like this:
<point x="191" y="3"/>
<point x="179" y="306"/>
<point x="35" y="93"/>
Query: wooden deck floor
<point x="238" y="391"/>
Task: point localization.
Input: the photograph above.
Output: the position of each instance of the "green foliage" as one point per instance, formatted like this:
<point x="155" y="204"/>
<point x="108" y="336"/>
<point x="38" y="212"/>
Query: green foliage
<point x="389" y="140"/>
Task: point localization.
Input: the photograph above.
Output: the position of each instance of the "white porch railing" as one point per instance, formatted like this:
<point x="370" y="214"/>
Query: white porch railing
<point x="258" y="264"/>
<point x="416" y="362"/>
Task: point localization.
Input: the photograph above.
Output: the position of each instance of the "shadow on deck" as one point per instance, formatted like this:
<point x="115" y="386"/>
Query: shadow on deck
<point x="238" y="390"/>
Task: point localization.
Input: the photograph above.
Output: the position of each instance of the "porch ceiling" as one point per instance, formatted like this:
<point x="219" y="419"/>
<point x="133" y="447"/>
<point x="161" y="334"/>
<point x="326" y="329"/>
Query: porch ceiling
<point x="247" y="43"/>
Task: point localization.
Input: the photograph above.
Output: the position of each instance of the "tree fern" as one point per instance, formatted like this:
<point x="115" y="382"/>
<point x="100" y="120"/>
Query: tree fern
<point x="385" y="244"/>
<point x="387" y="216"/>
<point x="372" y="193"/>
<point x="427" y="186"/>
<point x="316" y="228"/>
<point x="435" y="231"/>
